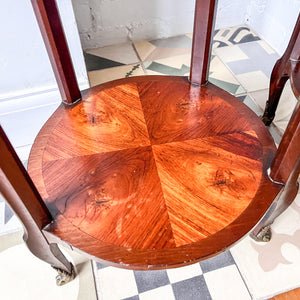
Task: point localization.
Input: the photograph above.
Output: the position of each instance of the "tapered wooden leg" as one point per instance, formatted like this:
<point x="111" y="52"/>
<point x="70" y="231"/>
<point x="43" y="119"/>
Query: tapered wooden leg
<point x="34" y="238"/>
<point x="262" y="231"/>
<point x="277" y="83"/>
<point x="202" y="35"/>
<point x="286" y="67"/>
<point x="50" y="25"/>
<point x="20" y="193"/>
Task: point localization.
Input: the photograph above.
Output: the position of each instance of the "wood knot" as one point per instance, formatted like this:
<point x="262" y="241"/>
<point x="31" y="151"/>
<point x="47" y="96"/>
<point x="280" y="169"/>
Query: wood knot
<point x="223" y="177"/>
<point x="101" y="201"/>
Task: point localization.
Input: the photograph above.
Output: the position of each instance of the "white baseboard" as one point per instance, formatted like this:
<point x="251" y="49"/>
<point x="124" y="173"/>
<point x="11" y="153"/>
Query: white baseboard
<point x="33" y="99"/>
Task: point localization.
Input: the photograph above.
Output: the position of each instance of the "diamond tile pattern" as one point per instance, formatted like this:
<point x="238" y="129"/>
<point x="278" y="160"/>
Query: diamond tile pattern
<point x="189" y="282"/>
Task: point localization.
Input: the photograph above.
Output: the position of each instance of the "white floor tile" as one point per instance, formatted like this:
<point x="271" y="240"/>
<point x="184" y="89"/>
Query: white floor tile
<point x="231" y="53"/>
<point x="253" y="81"/>
<point x="23" y="276"/>
<point x="116" y="283"/>
<point x="226" y="284"/>
<point x="183" y="273"/>
<point x="272" y="268"/>
<point x="285" y="107"/>
<point x="162" y="293"/>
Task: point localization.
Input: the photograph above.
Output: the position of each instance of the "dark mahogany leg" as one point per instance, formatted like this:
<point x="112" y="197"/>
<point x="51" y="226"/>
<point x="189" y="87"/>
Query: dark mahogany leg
<point x="262" y="231"/>
<point x="20" y="193"/>
<point x="285" y="167"/>
<point x="277" y="82"/>
<point x="34" y="238"/>
<point x="202" y="35"/>
<point x="286" y="67"/>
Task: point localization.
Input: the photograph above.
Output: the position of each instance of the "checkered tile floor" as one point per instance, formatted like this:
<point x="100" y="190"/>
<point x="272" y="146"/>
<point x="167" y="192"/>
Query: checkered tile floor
<point x="241" y="64"/>
<point x="215" y="278"/>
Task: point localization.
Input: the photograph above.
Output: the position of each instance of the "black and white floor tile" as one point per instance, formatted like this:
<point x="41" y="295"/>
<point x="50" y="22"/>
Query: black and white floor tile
<point x="215" y="278"/>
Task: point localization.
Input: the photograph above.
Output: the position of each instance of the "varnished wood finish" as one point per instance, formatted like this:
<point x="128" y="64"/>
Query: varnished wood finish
<point x="283" y="200"/>
<point x="287" y="67"/>
<point x="53" y="35"/>
<point x="148" y="172"/>
<point x="289" y="149"/>
<point x="291" y="295"/>
<point x="15" y="184"/>
<point x="16" y="174"/>
<point x="202" y="34"/>
<point x="154" y="172"/>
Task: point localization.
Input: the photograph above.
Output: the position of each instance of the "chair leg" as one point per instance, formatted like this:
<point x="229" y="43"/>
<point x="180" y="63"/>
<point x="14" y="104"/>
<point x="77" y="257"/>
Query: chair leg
<point x="262" y="231"/>
<point x="63" y="276"/>
<point x="277" y="82"/>
<point x="34" y="237"/>
<point x="51" y="254"/>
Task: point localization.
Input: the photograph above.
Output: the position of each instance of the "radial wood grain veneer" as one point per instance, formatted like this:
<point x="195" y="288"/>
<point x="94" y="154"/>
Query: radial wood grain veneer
<point x="151" y="172"/>
<point x="151" y="166"/>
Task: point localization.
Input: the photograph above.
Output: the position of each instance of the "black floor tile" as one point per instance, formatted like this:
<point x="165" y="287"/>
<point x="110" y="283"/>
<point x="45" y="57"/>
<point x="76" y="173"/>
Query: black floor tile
<point x="148" y="280"/>
<point x="192" y="289"/>
<point x="220" y="261"/>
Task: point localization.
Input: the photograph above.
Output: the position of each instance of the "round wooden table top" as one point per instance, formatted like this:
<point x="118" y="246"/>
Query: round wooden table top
<point x="151" y="172"/>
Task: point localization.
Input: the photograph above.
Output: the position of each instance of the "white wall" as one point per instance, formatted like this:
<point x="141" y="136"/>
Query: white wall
<point x="24" y="65"/>
<point x="107" y="22"/>
<point x="273" y="20"/>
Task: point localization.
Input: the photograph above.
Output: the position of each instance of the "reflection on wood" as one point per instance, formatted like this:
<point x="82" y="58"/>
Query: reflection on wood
<point x="152" y="170"/>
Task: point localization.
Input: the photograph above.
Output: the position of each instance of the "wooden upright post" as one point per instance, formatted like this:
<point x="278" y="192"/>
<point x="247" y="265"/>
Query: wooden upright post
<point x="52" y="32"/>
<point x="23" y="197"/>
<point x="287" y="67"/>
<point x="289" y="149"/>
<point x="202" y="35"/>
<point x="21" y="182"/>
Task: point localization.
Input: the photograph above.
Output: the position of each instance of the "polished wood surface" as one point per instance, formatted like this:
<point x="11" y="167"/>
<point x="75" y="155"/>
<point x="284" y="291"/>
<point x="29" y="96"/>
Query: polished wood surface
<point x="289" y="149"/>
<point x="49" y="22"/>
<point x="149" y="172"/>
<point x="287" y="67"/>
<point x="14" y="171"/>
<point x="18" y="190"/>
<point x="290" y="295"/>
<point x="154" y="171"/>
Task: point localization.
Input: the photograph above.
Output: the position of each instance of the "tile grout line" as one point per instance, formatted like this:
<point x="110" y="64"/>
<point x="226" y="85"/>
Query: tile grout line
<point x="96" y="279"/>
<point x="246" y="92"/>
<point x="139" y="58"/>
<point x="260" y="39"/>
<point x="244" y="280"/>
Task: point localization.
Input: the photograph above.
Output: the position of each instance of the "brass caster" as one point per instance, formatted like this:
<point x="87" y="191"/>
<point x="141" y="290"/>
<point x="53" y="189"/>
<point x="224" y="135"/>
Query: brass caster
<point x="264" y="235"/>
<point x="266" y="120"/>
<point x="64" y="277"/>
